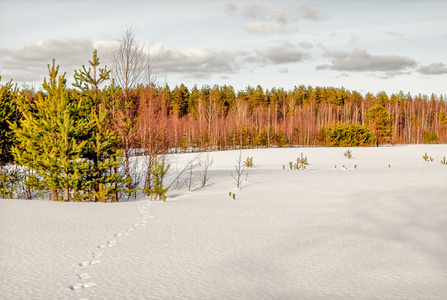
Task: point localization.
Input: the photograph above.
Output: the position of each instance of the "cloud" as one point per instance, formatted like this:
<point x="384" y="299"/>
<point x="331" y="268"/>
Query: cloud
<point x="272" y="21"/>
<point x="306" y="44"/>
<point x="29" y="62"/>
<point x="281" y="54"/>
<point x="265" y="28"/>
<point x="253" y="11"/>
<point x="230" y="8"/>
<point x="283" y="70"/>
<point x="196" y="63"/>
<point x="433" y="69"/>
<point x="311" y="13"/>
<point x="361" y="61"/>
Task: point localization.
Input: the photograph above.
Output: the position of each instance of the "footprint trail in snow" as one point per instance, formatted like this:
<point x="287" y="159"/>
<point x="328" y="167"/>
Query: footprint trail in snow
<point x="142" y="221"/>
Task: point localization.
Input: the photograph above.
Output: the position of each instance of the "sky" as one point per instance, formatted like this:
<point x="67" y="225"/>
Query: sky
<point x="366" y="46"/>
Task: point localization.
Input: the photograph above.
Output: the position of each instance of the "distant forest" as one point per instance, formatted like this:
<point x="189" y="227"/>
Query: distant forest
<point x="218" y="117"/>
<point x="76" y="143"/>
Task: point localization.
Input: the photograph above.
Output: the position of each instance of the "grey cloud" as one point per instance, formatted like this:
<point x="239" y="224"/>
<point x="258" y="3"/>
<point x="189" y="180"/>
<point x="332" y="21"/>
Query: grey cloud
<point x="361" y="61"/>
<point x="282" y="54"/>
<point x="433" y="69"/>
<point x="306" y="45"/>
<point x="196" y="63"/>
<point x="29" y="63"/>
<point x="311" y="13"/>
<point x="253" y="11"/>
<point x="230" y="7"/>
<point x="283" y="70"/>
<point x="273" y="21"/>
<point x="279" y="16"/>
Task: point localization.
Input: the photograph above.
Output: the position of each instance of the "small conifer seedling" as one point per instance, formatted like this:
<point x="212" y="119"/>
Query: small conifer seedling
<point x="348" y="154"/>
<point x="301" y="163"/>
<point x="427" y="158"/>
<point x="249" y="162"/>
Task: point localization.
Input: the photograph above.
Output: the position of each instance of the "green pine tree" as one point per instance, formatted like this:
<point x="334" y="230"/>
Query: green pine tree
<point x="158" y="171"/>
<point x="49" y="139"/>
<point x="381" y="122"/>
<point x="8" y="109"/>
<point x="103" y="179"/>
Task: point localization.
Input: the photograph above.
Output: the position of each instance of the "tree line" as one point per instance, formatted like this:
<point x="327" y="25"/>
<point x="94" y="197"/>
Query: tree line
<point x="76" y="143"/>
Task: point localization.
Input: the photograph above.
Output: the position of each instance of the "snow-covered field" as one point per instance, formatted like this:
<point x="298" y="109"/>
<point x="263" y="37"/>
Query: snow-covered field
<point x="377" y="231"/>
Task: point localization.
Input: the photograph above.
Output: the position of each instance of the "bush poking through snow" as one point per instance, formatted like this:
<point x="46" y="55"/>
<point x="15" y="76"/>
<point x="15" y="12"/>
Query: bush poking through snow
<point x="158" y="171"/>
<point x="301" y="163"/>
<point x="427" y="158"/>
<point x="348" y="154"/>
<point x="249" y="162"/>
<point x="444" y="162"/>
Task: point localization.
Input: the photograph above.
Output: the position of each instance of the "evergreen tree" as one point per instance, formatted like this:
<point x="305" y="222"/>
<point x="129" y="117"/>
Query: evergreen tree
<point x="180" y="99"/>
<point x="349" y="135"/>
<point x="8" y="110"/>
<point x="381" y="122"/>
<point x="158" y="171"/>
<point x="50" y="138"/>
<point x="101" y="147"/>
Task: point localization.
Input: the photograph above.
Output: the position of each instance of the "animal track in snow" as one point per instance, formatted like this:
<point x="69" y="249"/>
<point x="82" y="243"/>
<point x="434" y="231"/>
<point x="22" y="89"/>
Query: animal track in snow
<point x="142" y="221"/>
<point x="89" y="263"/>
<point x="83" y="276"/>
<point x="82" y="285"/>
<point x="97" y="254"/>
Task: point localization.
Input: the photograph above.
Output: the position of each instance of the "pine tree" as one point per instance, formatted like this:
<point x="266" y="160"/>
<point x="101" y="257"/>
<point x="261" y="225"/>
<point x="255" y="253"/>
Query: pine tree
<point x="381" y="122"/>
<point x="101" y="150"/>
<point x="49" y="138"/>
<point x="158" y="171"/>
<point x="8" y="109"/>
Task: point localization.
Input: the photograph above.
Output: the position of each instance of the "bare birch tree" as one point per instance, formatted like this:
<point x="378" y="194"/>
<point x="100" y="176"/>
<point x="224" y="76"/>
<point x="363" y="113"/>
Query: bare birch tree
<point x="130" y="64"/>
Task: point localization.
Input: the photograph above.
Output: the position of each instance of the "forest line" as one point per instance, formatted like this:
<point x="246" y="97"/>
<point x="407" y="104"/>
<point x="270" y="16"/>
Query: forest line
<point x="76" y="143"/>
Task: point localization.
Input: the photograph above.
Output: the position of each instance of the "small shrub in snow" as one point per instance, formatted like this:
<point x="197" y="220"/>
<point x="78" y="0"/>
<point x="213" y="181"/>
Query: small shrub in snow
<point x="348" y="154"/>
<point x="427" y="158"/>
<point x="249" y="162"/>
<point x="444" y="162"/>
<point x="158" y="171"/>
<point x="301" y="163"/>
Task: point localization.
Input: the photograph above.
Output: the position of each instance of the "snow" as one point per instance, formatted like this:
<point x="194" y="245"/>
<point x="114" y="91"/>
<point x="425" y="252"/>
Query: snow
<point x="376" y="231"/>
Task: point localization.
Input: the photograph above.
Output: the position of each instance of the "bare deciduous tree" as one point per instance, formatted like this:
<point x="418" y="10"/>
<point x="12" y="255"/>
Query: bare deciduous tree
<point x="130" y="64"/>
<point x="240" y="168"/>
<point x="204" y="174"/>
